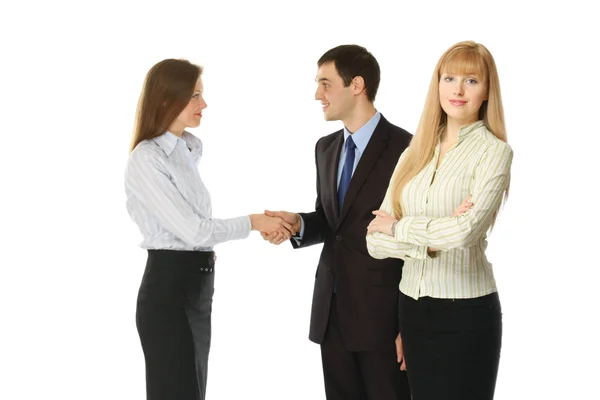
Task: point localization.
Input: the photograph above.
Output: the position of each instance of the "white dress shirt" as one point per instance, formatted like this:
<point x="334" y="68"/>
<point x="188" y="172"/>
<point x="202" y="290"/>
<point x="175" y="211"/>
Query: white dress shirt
<point x="168" y="201"/>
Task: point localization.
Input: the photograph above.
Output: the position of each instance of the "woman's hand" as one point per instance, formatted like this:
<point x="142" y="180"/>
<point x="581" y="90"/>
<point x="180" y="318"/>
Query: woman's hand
<point x="279" y="237"/>
<point x="268" y="225"/>
<point x="382" y="223"/>
<point x="463" y="208"/>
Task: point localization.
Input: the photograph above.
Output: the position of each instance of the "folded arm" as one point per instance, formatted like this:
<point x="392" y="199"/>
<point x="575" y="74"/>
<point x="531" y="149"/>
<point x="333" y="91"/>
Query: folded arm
<point x="490" y="181"/>
<point x="382" y="246"/>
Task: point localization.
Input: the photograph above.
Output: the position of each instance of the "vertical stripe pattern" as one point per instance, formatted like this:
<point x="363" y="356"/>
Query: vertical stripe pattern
<point x="168" y="201"/>
<point x="478" y="165"/>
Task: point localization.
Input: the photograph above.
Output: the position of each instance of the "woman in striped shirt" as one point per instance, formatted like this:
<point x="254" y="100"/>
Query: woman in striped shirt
<point x="451" y="321"/>
<point x="172" y="207"/>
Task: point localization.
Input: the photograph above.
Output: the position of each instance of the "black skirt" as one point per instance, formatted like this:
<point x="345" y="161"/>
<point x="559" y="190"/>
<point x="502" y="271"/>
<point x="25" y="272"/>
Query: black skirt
<point x="452" y="346"/>
<point x="173" y="320"/>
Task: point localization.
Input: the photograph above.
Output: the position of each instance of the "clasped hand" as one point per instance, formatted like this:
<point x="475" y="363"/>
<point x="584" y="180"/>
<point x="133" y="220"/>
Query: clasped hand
<point x="290" y="220"/>
<point x="272" y="225"/>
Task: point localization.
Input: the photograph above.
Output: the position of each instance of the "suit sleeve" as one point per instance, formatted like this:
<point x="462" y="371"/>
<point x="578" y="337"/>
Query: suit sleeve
<point x="314" y="223"/>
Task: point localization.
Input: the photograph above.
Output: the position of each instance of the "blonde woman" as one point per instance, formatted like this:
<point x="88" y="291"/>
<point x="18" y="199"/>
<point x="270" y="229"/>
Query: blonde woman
<point x="443" y="198"/>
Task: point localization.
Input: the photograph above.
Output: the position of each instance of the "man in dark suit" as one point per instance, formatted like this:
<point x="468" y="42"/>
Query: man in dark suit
<point x="355" y="301"/>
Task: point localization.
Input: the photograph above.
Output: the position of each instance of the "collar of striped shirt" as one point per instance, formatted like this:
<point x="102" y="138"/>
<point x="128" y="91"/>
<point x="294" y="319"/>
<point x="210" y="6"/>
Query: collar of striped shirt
<point x="464" y="131"/>
<point x="168" y="141"/>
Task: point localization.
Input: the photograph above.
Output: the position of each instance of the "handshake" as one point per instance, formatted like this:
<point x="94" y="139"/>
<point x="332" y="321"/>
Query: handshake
<point x="276" y="226"/>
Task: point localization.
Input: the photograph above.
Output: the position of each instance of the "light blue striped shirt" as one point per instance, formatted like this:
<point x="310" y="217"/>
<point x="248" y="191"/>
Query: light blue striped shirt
<point x="168" y="201"/>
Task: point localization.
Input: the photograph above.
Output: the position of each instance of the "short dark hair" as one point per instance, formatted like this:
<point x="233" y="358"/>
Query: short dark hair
<point x="350" y="61"/>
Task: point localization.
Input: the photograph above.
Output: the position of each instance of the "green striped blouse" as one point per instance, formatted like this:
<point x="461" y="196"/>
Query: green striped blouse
<point x="478" y="165"/>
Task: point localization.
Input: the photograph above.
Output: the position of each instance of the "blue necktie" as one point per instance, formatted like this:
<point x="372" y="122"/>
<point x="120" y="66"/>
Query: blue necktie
<point x="345" y="181"/>
<point x="346" y="171"/>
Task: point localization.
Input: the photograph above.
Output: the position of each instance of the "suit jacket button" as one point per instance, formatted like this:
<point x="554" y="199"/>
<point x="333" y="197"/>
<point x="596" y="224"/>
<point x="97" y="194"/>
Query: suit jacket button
<point x="338" y="238"/>
<point x="329" y="270"/>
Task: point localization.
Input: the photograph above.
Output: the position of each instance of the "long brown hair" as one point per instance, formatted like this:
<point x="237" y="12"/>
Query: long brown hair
<point x="167" y="90"/>
<point x="463" y="57"/>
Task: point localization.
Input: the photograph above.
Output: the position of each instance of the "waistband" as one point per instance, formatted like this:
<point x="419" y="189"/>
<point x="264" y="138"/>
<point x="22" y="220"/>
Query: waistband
<point x="488" y="299"/>
<point x="203" y="259"/>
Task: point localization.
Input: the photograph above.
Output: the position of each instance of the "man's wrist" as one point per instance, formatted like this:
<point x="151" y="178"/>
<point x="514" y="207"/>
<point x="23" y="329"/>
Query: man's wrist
<point x="297" y="226"/>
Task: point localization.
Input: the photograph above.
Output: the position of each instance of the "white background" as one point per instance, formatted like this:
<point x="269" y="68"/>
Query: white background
<point x="70" y="77"/>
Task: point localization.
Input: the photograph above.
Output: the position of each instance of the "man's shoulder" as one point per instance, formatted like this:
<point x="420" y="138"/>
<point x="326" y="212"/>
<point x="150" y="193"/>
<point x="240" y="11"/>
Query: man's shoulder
<point x="398" y="135"/>
<point x="395" y="131"/>
<point x="397" y="138"/>
<point x="325" y="141"/>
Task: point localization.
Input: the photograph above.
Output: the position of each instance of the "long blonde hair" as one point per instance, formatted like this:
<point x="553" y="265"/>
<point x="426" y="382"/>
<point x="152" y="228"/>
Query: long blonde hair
<point x="463" y="57"/>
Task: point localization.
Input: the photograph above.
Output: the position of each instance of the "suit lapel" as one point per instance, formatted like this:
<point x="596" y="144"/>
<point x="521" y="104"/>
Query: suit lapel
<point x="373" y="151"/>
<point x="332" y="159"/>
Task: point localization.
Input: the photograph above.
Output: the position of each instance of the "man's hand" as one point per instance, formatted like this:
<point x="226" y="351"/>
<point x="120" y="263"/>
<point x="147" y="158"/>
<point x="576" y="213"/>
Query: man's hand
<point x="271" y="224"/>
<point x="400" y="353"/>
<point x="278" y="237"/>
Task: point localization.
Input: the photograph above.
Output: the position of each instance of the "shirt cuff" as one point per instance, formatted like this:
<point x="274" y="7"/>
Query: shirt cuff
<point x="241" y="228"/>
<point x="300" y="235"/>
<point x="402" y="229"/>
<point x="418" y="253"/>
<point x="301" y="227"/>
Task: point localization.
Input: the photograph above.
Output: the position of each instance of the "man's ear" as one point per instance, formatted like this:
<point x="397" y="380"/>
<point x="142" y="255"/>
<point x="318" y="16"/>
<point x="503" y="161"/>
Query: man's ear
<point x="357" y="84"/>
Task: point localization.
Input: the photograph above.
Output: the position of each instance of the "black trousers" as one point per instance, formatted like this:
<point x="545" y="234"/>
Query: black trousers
<point x="173" y="319"/>
<point x="362" y="375"/>
<point x="452" y="347"/>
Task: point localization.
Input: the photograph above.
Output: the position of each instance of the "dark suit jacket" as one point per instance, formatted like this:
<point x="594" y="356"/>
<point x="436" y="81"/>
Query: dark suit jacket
<point x="366" y="288"/>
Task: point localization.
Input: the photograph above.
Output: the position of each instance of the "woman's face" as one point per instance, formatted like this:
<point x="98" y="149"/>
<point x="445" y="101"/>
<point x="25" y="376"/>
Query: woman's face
<point x="461" y="96"/>
<point x="192" y="114"/>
